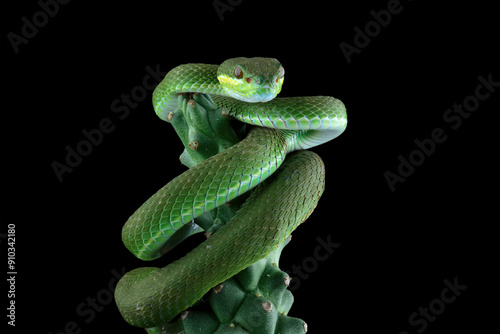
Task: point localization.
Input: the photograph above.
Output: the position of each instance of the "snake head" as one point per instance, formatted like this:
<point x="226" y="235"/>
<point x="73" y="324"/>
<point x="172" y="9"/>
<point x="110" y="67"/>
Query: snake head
<point x="251" y="79"/>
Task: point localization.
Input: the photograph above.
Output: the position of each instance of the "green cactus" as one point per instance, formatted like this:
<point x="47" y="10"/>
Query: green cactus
<point x="256" y="300"/>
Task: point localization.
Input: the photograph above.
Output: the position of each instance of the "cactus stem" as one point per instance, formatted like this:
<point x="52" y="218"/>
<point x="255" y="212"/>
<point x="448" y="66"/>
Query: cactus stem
<point x="230" y="306"/>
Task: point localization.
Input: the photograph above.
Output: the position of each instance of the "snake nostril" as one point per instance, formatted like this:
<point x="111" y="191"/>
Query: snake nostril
<point x="249" y="80"/>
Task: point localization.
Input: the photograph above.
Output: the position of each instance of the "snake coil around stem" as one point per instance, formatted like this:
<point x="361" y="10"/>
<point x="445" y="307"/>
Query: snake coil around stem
<point x="285" y="188"/>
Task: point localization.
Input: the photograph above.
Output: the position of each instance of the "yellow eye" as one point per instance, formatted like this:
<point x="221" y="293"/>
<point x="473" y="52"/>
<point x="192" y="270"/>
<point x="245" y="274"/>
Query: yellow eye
<point x="238" y="72"/>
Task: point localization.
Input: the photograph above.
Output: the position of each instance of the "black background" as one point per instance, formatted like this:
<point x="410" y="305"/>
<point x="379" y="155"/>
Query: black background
<point x="396" y="248"/>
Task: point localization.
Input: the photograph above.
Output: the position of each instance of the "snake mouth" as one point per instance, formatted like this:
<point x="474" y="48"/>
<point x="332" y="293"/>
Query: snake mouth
<point x="264" y="94"/>
<point x="268" y="97"/>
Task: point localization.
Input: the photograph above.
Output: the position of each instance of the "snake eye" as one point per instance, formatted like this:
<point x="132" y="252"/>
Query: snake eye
<point x="282" y="74"/>
<point x="238" y="72"/>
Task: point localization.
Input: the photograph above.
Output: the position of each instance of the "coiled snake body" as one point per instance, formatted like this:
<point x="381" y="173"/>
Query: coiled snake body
<point x="243" y="88"/>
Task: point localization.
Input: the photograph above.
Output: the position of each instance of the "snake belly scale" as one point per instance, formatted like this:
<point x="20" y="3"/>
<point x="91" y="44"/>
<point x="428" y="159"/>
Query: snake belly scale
<point x="245" y="89"/>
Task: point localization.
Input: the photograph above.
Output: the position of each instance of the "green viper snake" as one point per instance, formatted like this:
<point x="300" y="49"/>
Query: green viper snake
<point x="245" y="89"/>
